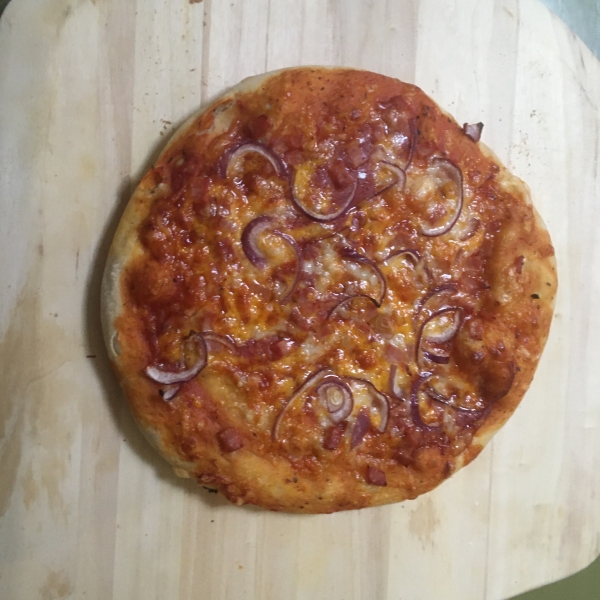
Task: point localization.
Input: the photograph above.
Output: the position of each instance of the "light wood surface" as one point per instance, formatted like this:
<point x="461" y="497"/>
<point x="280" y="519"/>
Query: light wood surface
<point x="89" y="92"/>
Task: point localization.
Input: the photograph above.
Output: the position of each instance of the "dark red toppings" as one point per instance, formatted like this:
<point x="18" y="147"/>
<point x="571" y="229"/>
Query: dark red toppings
<point x="376" y="476"/>
<point x="333" y="437"/>
<point x="519" y="262"/>
<point x="361" y="426"/>
<point x="230" y="439"/>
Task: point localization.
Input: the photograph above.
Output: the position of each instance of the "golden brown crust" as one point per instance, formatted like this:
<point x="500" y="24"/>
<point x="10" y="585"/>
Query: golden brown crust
<point x="219" y="427"/>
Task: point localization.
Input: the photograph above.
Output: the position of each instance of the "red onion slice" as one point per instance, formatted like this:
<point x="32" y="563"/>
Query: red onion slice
<point x="473" y="130"/>
<point x="309" y="382"/>
<point x="379" y="401"/>
<point x="168" y="378"/>
<point x="344" y="201"/>
<point x="216" y="342"/>
<point x="415" y="411"/>
<point x="394" y="387"/>
<point x="471" y="229"/>
<point x="437" y="356"/>
<point x="336" y="397"/>
<point x="353" y="256"/>
<point x="170" y="393"/>
<point x="250" y="237"/>
<point x="299" y="265"/>
<point x="444" y="336"/>
<point x="442" y="289"/>
<point x="343" y="303"/>
<point x="398" y="172"/>
<point x="438" y="397"/>
<point x="455" y="175"/>
<point x="361" y="426"/>
<point x="414" y="255"/>
<point x="251" y="148"/>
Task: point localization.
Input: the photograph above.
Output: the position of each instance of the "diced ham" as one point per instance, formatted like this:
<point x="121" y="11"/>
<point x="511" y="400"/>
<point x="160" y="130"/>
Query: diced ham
<point x="230" y="439"/>
<point x="332" y="439"/>
<point x="376" y="476"/>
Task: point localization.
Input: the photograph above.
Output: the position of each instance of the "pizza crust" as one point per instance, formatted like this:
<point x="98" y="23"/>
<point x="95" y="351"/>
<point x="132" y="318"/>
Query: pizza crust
<point x="269" y="480"/>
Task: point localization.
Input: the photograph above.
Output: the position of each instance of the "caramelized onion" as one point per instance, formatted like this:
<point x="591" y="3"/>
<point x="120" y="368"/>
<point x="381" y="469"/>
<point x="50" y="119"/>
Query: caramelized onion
<point x="336" y="397"/>
<point x="455" y="175"/>
<point x="168" y="377"/>
<point x="473" y="130"/>
<point x="353" y="256"/>
<point x="254" y="148"/>
<point x="344" y="201"/>
<point x="309" y="382"/>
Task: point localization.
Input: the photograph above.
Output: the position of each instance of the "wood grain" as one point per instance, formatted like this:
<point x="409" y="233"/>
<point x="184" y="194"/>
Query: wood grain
<point x="90" y="90"/>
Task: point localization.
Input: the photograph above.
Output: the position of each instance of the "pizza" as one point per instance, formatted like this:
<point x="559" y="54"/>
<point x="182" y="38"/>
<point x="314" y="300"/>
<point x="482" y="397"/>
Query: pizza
<point x="326" y="294"/>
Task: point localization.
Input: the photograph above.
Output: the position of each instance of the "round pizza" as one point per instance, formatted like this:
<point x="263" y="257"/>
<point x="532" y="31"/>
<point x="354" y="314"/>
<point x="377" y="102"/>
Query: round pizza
<point x="326" y="294"/>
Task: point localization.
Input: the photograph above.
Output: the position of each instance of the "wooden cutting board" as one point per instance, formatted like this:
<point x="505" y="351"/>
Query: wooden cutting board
<point x="89" y="92"/>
